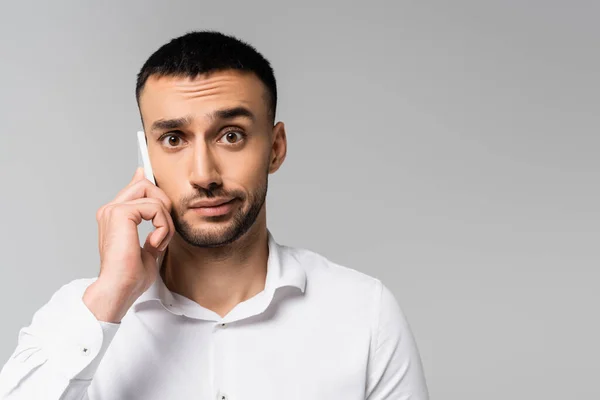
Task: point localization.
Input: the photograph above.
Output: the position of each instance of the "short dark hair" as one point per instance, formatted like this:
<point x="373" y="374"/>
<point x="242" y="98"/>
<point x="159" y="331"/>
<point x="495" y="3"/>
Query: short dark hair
<point x="200" y="52"/>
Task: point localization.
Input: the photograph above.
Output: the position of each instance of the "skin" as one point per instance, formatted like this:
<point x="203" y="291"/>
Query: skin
<point x="197" y="152"/>
<point x="216" y="261"/>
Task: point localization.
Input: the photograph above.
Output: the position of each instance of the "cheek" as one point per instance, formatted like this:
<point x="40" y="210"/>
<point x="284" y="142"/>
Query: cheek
<point x="247" y="171"/>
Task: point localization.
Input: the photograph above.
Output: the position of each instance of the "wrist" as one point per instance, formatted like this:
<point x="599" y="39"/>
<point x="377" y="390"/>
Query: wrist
<point x="107" y="304"/>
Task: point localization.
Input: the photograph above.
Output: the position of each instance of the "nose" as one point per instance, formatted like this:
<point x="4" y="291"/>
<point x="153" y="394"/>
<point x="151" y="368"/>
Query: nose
<point x="204" y="172"/>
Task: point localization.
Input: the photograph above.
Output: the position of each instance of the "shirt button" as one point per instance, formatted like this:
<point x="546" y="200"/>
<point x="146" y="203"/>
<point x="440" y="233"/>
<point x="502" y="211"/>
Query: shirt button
<point x="223" y="325"/>
<point x="85" y="351"/>
<point x="222" y="396"/>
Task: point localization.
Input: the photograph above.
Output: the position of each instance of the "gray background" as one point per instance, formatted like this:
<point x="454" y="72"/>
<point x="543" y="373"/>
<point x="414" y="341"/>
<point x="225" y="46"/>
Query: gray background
<point x="448" y="148"/>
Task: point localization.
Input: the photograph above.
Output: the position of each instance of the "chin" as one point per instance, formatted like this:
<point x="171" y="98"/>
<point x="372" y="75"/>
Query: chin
<point x="217" y="231"/>
<point x="210" y="233"/>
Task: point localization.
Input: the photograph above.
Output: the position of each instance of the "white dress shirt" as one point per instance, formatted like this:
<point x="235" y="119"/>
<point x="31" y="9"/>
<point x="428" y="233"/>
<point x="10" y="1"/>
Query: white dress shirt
<point x="317" y="331"/>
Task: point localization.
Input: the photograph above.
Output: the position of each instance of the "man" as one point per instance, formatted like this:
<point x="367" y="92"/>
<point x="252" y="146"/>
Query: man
<point x="212" y="307"/>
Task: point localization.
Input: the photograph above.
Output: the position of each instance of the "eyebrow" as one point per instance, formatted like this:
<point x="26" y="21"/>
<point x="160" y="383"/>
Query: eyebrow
<point x="226" y="113"/>
<point x="230" y="113"/>
<point x="167" y="124"/>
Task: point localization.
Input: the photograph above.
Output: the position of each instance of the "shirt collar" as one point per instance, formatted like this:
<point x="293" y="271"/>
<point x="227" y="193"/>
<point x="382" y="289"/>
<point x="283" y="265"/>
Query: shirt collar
<point x="283" y="269"/>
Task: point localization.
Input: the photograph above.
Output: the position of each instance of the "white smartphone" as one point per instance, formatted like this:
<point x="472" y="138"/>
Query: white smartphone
<point x="143" y="157"/>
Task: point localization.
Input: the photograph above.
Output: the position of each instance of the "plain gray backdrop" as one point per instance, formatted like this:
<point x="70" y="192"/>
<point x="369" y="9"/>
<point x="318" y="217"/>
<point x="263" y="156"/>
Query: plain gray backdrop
<point x="448" y="148"/>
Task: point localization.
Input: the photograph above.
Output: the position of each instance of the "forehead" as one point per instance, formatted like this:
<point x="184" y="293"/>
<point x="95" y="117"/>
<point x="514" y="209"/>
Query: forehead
<point x="174" y="96"/>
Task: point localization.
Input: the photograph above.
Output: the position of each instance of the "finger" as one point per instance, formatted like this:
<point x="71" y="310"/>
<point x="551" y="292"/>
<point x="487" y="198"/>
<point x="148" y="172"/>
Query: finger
<point x="171" y="231"/>
<point x="166" y="238"/>
<point x="149" y="249"/>
<point x="138" y="211"/>
<point x="161" y="236"/>
<point x="137" y="176"/>
<point x="141" y="189"/>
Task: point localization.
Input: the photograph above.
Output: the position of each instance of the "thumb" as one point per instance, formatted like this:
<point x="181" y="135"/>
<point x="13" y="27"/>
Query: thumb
<point x="150" y="251"/>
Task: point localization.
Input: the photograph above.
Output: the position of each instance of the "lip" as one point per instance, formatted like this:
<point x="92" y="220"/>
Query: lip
<point x="209" y="203"/>
<point x="220" y="207"/>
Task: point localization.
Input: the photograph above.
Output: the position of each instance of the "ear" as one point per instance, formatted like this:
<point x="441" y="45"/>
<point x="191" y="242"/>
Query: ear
<point x="278" y="147"/>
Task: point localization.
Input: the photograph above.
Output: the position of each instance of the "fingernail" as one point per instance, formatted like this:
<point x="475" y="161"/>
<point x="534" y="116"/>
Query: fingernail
<point x="164" y="246"/>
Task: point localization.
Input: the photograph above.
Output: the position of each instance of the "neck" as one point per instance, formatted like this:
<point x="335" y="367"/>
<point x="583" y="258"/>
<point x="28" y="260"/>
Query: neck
<point x="218" y="278"/>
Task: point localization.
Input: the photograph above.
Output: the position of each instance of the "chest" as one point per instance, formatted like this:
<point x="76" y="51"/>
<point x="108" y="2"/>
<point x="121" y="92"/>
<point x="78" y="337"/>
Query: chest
<point x="244" y="361"/>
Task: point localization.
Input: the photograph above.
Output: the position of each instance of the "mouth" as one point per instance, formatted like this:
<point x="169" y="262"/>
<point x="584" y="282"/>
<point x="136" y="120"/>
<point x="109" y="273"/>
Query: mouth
<point x="214" y="208"/>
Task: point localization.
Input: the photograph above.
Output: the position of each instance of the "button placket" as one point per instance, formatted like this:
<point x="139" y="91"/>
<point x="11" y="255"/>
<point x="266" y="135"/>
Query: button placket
<point x="84" y="349"/>
<point x="219" y="359"/>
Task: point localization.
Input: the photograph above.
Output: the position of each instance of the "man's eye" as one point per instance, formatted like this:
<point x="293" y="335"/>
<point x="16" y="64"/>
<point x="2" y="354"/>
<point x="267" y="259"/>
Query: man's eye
<point x="173" y="140"/>
<point x="233" y="137"/>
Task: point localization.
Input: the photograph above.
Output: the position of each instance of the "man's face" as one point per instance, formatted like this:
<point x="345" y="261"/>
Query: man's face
<point x="211" y="139"/>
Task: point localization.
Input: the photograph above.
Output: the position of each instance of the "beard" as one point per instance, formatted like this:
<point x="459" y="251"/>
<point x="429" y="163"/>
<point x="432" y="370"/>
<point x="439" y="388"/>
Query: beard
<point x="233" y="226"/>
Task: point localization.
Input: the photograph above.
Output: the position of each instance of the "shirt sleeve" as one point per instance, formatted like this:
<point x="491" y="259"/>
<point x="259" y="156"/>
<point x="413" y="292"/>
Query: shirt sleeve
<point x="395" y="368"/>
<point x="58" y="354"/>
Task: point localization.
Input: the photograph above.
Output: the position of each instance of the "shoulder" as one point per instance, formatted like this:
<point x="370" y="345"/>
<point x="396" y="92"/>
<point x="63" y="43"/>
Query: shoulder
<point x="339" y="285"/>
<point x="323" y="271"/>
<point x="364" y="305"/>
<point x="353" y="295"/>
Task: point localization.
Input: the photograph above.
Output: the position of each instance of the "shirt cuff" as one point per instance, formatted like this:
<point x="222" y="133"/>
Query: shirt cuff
<point x="81" y="340"/>
<point x="109" y="330"/>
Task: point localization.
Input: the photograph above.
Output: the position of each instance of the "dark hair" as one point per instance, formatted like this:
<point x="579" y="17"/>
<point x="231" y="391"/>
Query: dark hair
<point x="200" y="52"/>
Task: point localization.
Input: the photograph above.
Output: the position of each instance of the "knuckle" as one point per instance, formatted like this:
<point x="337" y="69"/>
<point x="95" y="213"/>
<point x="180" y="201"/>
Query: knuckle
<point x="99" y="213"/>
<point x="155" y="202"/>
<point x="162" y="203"/>
<point x="134" y="187"/>
<point x="116" y="209"/>
<point x="102" y="211"/>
